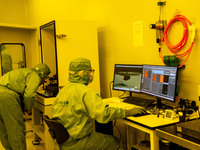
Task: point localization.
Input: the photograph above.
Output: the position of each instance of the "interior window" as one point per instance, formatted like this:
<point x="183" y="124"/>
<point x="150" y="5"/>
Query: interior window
<point x="12" y="56"/>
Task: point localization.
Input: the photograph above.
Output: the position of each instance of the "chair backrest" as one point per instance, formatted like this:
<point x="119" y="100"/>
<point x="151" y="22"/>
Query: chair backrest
<point x="57" y="130"/>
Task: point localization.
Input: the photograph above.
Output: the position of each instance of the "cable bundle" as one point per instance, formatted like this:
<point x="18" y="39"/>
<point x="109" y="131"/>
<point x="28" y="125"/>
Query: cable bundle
<point x="175" y="48"/>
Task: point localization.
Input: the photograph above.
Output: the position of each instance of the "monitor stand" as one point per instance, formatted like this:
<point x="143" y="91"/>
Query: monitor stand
<point x="157" y="107"/>
<point x="130" y="94"/>
<point x="159" y="104"/>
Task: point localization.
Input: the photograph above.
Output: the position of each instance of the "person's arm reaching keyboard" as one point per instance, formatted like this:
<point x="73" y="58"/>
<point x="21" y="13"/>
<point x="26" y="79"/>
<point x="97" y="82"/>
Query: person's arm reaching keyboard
<point x="135" y="112"/>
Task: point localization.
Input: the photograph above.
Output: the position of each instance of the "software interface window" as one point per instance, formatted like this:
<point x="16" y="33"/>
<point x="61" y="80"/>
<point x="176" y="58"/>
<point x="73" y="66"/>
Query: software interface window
<point x="127" y="77"/>
<point x="159" y="81"/>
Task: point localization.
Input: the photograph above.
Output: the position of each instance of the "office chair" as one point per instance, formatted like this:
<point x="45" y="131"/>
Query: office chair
<point x="57" y="131"/>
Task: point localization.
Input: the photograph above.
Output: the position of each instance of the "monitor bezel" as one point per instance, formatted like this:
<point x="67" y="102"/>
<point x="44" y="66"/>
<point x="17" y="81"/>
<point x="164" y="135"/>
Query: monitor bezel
<point x="135" y="91"/>
<point x="160" y="96"/>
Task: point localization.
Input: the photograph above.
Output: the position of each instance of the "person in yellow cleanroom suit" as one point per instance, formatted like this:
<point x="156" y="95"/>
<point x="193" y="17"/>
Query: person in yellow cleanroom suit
<point x="76" y="106"/>
<point x="17" y="90"/>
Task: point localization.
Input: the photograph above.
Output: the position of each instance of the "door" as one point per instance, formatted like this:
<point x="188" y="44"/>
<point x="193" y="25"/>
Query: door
<point x="49" y="56"/>
<point x="63" y="41"/>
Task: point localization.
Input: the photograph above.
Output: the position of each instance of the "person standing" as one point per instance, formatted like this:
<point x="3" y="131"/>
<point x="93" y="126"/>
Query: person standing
<point x="17" y="91"/>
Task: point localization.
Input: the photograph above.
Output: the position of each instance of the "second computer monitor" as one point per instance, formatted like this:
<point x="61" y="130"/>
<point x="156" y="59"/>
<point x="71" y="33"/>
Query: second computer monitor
<point x="159" y="81"/>
<point x="127" y="77"/>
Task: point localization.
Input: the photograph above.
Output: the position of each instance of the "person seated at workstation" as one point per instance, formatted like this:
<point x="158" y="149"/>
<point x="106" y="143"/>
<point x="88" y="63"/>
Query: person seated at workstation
<point x="77" y="106"/>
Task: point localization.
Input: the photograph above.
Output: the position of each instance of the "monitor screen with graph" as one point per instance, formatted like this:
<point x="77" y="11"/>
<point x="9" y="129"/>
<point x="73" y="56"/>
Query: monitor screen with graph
<point x="159" y="81"/>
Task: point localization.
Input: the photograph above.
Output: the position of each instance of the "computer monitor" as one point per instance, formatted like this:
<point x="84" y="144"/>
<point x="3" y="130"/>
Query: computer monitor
<point x="127" y="77"/>
<point x="159" y="81"/>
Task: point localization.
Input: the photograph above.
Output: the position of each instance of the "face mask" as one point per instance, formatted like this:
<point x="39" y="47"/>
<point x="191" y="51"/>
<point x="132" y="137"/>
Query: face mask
<point x="91" y="77"/>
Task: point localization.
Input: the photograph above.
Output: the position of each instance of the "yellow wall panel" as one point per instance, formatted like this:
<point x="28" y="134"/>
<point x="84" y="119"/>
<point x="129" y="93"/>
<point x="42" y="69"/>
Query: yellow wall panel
<point x="115" y="21"/>
<point x="13" y="11"/>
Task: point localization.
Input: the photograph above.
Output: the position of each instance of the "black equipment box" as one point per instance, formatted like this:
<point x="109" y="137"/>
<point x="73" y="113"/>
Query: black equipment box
<point x="190" y="128"/>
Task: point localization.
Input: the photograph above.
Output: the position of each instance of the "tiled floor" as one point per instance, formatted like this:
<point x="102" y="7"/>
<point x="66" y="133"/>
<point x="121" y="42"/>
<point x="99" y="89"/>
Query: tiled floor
<point x="29" y="139"/>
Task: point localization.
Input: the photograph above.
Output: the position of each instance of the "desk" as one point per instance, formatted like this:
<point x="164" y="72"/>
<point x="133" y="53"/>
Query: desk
<point x="40" y="129"/>
<point x="169" y="133"/>
<point x="146" y="123"/>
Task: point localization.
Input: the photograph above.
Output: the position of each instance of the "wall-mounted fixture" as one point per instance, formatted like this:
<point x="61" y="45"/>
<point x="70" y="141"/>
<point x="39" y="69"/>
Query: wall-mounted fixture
<point x="160" y="24"/>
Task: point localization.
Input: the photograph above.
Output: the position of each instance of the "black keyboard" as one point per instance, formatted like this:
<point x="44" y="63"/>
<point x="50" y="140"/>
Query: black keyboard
<point x="139" y="101"/>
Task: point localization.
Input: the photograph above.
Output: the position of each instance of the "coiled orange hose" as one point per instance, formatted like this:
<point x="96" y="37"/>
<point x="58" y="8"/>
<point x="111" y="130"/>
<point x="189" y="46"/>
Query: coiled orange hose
<point x="175" y="48"/>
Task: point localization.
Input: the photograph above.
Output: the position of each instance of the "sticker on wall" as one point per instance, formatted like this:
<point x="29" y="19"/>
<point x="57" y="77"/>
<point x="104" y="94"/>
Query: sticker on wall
<point x="138" y="40"/>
